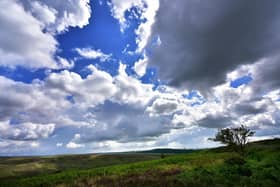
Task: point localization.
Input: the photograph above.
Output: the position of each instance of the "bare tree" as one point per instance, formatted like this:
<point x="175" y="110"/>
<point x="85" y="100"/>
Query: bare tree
<point x="236" y="138"/>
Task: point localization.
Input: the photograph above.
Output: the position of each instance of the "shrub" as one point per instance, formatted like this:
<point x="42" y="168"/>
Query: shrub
<point x="245" y="171"/>
<point x="236" y="160"/>
<point x="235" y="138"/>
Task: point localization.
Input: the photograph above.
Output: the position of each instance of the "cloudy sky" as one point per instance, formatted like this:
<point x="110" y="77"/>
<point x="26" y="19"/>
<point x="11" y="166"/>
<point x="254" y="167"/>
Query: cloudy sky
<point x="79" y="76"/>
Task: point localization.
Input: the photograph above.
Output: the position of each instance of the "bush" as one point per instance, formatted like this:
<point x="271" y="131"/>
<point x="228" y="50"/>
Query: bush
<point x="236" y="160"/>
<point x="245" y="171"/>
<point x="198" y="177"/>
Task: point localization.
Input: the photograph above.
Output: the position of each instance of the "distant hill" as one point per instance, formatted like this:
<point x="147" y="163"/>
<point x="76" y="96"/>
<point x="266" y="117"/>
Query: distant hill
<point x="167" y="151"/>
<point x="217" y="167"/>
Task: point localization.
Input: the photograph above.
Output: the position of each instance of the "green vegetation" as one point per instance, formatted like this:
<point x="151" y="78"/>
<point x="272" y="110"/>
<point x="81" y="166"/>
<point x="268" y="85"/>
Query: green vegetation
<point x="15" y="167"/>
<point x="260" y="166"/>
<point x="168" y="151"/>
<point x="234" y="137"/>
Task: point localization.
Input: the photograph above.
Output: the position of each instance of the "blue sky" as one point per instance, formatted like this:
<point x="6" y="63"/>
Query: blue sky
<point x="84" y="76"/>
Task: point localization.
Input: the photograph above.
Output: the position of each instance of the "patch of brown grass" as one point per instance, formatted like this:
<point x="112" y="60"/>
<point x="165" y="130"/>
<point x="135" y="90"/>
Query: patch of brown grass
<point x="151" y="178"/>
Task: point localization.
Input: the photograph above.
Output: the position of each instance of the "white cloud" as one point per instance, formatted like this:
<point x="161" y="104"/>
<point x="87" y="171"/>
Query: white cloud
<point x="22" y="41"/>
<point x="93" y="90"/>
<point x="147" y="10"/>
<point x="20" y="100"/>
<point x="12" y="147"/>
<point x="93" y="54"/>
<point x="120" y="7"/>
<point x="59" y="144"/>
<point x="35" y="144"/>
<point x="258" y="138"/>
<point x="64" y="63"/>
<point x="144" y="30"/>
<point x="73" y="145"/>
<point x="58" y="16"/>
<point x="77" y="137"/>
<point x="130" y="89"/>
<point x="25" y="131"/>
<point x="28" y="29"/>
<point x="101" y="106"/>
<point x="140" y="66"/>
<point x="163" y="107"/>
<point x="44" y="13"/>
<point x="113" y="112"/>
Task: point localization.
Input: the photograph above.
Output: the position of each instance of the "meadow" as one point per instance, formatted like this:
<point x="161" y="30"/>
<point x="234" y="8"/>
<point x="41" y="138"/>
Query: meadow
<point x="260" y="166"/>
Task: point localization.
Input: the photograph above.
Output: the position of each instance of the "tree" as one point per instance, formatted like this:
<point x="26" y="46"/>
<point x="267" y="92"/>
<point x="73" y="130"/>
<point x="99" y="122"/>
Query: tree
<point x="236" y="137"/>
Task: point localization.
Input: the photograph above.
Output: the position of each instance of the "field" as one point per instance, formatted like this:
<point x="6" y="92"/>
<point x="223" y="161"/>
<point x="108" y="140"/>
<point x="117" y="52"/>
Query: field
<point x="260" y="166"/>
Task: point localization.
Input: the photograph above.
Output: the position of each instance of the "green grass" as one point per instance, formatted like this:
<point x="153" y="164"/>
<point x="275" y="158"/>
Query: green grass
<point x="15" y="167"/>
<point x="214" y="167"/>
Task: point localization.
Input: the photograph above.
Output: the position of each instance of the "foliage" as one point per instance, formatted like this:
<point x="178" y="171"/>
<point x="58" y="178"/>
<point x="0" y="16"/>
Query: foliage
<point x="235" y="160"/>
<point x="236" y="137"/>
<point x="14" y="167"/>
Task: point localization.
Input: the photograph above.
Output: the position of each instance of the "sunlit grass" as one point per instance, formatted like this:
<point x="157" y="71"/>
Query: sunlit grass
<point x="218" y="167"/>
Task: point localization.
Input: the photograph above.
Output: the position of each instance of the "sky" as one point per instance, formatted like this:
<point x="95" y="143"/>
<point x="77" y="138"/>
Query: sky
<point x="87" y="76"/>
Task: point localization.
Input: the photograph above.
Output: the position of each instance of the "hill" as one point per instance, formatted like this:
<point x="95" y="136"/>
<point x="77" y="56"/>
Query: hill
<point x="210" y="167"/>
<point x="168" y="151"/>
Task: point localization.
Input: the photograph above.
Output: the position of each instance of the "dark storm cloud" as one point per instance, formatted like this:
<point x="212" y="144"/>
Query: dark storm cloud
<point x="215" y="121"/>
<point x="203" y="40"/>
<point x="249" y="108"/>
<point x="267" y="76"/>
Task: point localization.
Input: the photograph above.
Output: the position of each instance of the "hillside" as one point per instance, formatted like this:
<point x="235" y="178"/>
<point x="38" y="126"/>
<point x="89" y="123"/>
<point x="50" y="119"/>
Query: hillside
<point x="212" y="167"/>
<point x="168" y="151"/>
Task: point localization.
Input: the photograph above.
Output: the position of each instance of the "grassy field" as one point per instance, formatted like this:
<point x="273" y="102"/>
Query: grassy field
<point x="213" y="167"/>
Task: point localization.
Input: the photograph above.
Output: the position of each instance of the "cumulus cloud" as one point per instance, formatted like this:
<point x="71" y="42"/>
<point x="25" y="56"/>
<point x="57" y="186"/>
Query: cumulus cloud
<point x="216" y="121"/>
<point x="140" y="66"/>
<point x="227" y="106"/>
<point x="119" y="8"/>
<point x="203" y="41"/>
<point x="145" y="11"/>
<point x="100" y="108"/>
<point x="94" y="89"/>
<point x="144" y="30"/>
<point x="12" y="147"/>
<point x="22" y="41"/>
<point x="130" y="89"/>
<point x="205" y="46"/>
<point x="65" y="99"/>
<point x="73" y="145"/>
<point x="58" y="16"/>
<point x="25" y="131"/>
<point x="25" y="102"/>
<point x="59" y="144"/>
<point x="46" y="14"/>
<point x="163" y="107"/>
<point x="114" y="123"/>
<point x="93" y="54"/>
<point x="27" y="36"/>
